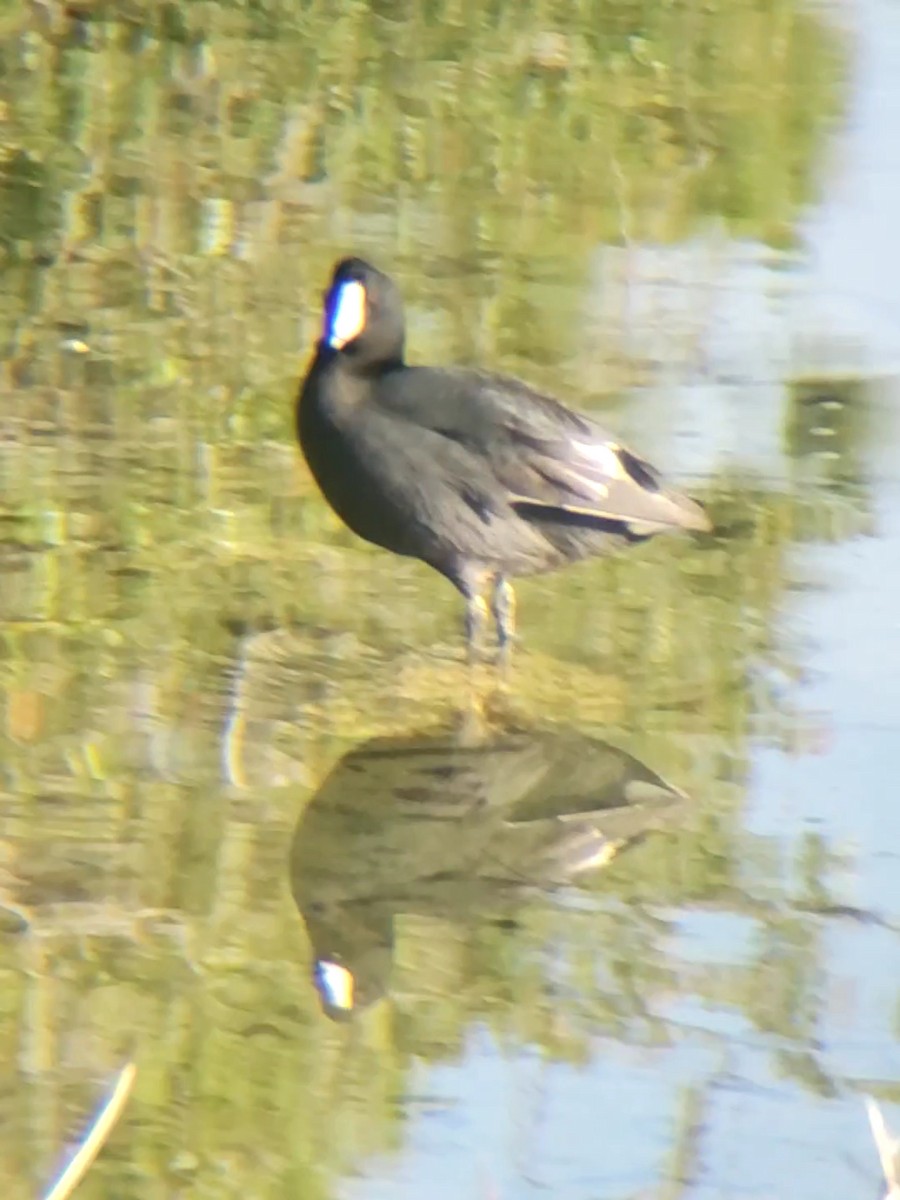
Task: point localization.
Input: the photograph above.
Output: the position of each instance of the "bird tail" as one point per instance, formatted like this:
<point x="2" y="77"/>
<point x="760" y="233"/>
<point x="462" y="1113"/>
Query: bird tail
<point x="675" y="510"/>
<point x="642" y="515"/>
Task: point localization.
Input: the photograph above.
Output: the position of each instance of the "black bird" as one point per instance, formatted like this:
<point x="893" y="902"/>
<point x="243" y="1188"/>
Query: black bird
<point x="476" y="474"/>
<point x="426" y="824"/>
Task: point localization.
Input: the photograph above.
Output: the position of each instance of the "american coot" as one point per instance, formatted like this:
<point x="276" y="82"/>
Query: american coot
<point x="428" y="824"/>
<point x="477" y="475"/>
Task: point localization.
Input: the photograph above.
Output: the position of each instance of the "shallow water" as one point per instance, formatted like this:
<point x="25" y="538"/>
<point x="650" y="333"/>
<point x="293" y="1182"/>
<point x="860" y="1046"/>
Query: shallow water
<point x="232" y="738"/>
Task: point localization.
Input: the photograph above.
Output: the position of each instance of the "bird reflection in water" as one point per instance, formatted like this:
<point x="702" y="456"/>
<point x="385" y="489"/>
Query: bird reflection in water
<point x="432" y="825"/>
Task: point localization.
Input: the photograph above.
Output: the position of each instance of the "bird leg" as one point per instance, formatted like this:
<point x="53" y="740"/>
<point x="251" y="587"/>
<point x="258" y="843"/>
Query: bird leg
<point x="476" y="620"/>
<point x="472" y="581"/>
<point x="503" y="606"/>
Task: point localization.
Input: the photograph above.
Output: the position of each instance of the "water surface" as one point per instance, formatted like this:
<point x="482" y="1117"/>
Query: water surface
<point x="679" y="218"/>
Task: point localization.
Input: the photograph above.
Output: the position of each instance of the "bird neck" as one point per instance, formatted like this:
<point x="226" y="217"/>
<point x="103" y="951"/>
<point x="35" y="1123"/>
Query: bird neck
<point x="353" y="364"/>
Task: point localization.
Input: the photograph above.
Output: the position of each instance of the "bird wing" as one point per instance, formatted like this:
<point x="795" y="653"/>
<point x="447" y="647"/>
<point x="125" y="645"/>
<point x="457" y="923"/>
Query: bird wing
<point x="556" y="465"/>
<point x="600" y="480"/>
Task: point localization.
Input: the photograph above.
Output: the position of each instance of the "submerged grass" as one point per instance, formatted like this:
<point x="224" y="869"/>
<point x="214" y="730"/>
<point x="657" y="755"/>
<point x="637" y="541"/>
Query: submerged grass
<point x="887" y="1146"/>
<point x="95" y="1136"/>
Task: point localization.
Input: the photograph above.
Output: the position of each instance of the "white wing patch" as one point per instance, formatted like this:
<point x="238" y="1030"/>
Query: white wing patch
<point x="605" y="456"/>
<point x="582" y="483"/>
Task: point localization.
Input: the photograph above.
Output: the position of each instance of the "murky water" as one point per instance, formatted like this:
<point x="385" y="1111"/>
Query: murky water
<point x="233" y="740"/>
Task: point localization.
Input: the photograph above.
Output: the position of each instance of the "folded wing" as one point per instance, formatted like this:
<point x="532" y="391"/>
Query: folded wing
<point x="555" y="465"/>
<point x="596" y="480"/>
